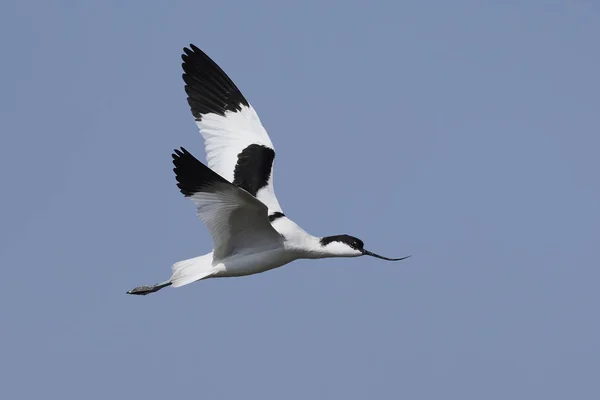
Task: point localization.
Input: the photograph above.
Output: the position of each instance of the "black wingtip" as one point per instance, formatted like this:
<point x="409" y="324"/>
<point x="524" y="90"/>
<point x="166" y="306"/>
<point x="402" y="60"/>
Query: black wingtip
<point x="192" y="176"/>
<point x="177" y="153"/>
<point x="208" y="87"/>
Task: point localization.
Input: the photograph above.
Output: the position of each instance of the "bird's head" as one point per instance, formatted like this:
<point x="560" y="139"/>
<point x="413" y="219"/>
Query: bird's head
<point x="349" y="246"/>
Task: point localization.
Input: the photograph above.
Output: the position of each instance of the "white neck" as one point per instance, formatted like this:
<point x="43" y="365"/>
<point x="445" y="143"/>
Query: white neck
<point x="311" y="247"/>
<point x="305" y="245"/>
<point x="300" y="241"/>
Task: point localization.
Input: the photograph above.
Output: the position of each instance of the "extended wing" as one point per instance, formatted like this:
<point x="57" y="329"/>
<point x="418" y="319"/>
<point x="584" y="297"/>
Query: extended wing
<point x="236" y="220"/>
<point x="237" y="145"/>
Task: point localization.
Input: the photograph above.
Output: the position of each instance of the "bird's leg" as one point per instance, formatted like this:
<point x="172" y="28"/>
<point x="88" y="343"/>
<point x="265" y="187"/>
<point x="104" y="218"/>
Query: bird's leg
<point x="144" y="290"/>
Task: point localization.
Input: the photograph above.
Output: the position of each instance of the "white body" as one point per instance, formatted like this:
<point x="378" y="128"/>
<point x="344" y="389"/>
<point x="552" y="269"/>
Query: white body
<point x="298" y="244"/>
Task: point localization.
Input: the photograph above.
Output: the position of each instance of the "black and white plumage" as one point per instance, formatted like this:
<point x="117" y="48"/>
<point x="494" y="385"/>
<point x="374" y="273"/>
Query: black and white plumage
<point x="234" y="194"/>
<point x="235" y="219"/>
<point x="237" y="145"/>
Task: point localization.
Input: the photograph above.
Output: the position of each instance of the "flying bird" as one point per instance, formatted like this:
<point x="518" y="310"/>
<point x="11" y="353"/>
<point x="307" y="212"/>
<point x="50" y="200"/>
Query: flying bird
<point x="234" y="194"/>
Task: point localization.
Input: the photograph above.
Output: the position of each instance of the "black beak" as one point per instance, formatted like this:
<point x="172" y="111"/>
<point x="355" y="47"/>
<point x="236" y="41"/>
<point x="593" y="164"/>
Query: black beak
<point x="368" y="253"/>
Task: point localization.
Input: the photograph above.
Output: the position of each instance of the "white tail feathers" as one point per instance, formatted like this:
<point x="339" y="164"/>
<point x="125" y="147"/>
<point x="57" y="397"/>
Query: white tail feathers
<point x="192" y="270"/>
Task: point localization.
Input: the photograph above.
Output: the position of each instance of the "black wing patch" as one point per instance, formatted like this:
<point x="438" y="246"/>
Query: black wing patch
<point x="275" y="216"/>
<point x="209" y="89"/>
<point x="193" y="176"/>
<point x="253" y="169"/>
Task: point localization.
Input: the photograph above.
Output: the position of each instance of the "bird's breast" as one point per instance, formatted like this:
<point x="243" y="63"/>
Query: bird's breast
<point x="248" y="264"/>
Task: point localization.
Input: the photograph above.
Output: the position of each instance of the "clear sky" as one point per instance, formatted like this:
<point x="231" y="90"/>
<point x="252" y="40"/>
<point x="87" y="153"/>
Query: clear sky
<point x="465" y="133"/>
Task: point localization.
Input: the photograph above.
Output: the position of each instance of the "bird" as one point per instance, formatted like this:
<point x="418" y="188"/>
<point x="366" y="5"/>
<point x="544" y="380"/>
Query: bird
<point x="234" y="193"/>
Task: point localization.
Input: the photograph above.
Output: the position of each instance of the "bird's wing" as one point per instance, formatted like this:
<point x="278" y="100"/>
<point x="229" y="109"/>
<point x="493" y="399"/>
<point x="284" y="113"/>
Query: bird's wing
<point x="236" y="220"/>
<point x="237" y="145"/>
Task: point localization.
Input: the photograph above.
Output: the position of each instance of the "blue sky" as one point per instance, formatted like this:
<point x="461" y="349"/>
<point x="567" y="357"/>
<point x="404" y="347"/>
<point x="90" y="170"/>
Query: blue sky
<point x="464" y="133"/>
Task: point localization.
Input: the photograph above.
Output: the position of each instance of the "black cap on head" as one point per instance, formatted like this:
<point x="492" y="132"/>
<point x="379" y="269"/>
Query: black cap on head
<point x="356" y="244"/>
<point x="351" y="241"/>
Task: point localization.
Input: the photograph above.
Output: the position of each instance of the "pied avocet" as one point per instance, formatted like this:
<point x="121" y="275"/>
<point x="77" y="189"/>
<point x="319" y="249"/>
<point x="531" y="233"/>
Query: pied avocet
<point x="234" y="194"/>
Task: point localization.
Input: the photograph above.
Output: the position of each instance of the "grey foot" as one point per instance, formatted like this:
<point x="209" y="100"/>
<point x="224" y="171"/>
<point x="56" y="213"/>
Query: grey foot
<point x="144" y="290"/>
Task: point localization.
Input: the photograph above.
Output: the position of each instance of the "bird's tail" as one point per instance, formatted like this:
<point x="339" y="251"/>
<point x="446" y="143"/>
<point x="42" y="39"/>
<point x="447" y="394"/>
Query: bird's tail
<point x="192" y="270"/>
<point x="183" y="272"/>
